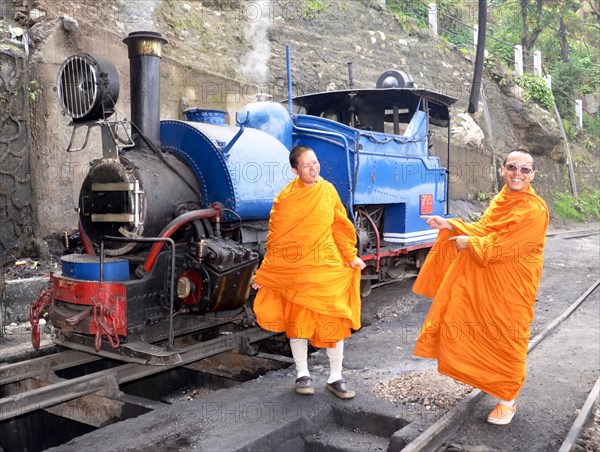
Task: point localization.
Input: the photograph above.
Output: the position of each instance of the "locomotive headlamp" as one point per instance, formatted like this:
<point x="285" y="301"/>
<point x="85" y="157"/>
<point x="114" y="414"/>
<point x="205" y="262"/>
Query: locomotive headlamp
<point x="394" y="79"/>
<point x="88" y="87"/>
<point x="184" y="287"/>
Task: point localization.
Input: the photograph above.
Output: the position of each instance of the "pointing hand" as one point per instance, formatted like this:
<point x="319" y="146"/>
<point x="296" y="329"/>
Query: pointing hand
<point x="436" y="222"/>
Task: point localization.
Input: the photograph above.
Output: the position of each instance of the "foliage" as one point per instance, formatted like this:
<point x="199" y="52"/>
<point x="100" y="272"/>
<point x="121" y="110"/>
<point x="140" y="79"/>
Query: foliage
<point x="584" y="208"/>
<point x="474" y="216"/>
<point x="34" y="91"/>
<point x="181" y="24"/>
<point x="570" y="79"/>
<point x="591" y="124"/>
<point x="454" y="18"/>
<point x="595" y="75"/>
<point x="569" y="53"/>
<point x="570" y="128"/>
<point x="535" y="89"/>
<point x="503" y="29"/>
<point x="311" y="9"/>
<point x="483" y="197"/>
<point x="567" y="39"/>
<point x="417" y="11"/>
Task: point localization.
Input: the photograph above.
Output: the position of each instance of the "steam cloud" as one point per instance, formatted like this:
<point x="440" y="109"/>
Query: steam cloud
<point x="254" y="64"/>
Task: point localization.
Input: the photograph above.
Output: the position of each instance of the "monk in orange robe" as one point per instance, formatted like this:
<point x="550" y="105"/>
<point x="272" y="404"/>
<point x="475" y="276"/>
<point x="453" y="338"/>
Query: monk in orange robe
<point x="483" y="278"/>
<point x="308" y="283"/>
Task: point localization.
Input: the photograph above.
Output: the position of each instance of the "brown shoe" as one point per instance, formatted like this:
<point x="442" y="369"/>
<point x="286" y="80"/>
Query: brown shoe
<point x="304" y="385"/>
<point x="340" y="390"/>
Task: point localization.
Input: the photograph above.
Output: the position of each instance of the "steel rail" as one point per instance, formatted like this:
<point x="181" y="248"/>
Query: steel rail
<point x="578" y="236"/>
<point x="583" y="232"/>
<point x="561" y="318"/>
<point x="443" y="429"/>
<point x="32" y="368"/>
<point x="65" y="390"/>
<point x="588" y="407"/>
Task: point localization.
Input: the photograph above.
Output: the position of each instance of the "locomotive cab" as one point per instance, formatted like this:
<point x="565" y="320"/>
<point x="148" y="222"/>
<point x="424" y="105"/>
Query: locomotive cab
<point x="374" y="145"/>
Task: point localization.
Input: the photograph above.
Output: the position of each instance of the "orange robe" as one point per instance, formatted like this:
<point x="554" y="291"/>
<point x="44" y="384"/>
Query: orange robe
<point x="478" y="326"/>
<point x="308" y="289"/>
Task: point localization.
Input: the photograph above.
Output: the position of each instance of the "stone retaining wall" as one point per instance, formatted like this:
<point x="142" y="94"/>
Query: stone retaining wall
<point x="16" y="211"/>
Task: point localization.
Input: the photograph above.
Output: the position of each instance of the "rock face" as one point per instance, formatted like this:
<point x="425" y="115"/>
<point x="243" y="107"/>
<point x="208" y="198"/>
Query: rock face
<point x="223" y="54"/>
<point x="534" y="126"/>
<point x="467" y="131"/>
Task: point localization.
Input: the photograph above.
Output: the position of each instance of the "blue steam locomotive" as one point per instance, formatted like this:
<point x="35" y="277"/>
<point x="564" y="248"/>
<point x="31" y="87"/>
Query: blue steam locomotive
<point x="174" y="215"/>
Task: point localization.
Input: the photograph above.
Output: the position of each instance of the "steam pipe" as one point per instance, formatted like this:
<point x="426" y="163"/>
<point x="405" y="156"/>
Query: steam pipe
<point x="448" y="165"/>
<point x="288" y="65"/>
<point x="350" y="76"/>
<point x="88" y="248"/>
<point x="173" y="226"/>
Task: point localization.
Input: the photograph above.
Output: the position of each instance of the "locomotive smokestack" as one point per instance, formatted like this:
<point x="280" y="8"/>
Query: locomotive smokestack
<point x="145" y="53"/>
<point x="350" y="76"/>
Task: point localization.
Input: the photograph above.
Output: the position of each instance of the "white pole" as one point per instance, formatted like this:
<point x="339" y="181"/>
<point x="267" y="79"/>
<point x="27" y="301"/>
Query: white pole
<point x="537" y="63"/>
<point x="519" y="60"/>
<point x="579" y="113"/>
<point x="549" y="81"/>
<point x="475" y="33"/>
<point x="433" y="26"/>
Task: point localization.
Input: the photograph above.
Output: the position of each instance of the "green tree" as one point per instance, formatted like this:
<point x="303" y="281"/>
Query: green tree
<point x="531" y="22"/>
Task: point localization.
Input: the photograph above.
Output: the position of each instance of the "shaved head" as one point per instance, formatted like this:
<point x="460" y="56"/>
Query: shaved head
<point x="519" y="151"/>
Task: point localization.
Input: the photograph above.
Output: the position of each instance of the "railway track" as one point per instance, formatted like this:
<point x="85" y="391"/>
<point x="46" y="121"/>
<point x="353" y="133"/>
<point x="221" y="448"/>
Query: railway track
<point x="458" y="425"/>
<point x="33" y="385"/>
<point x="574" y="234"/>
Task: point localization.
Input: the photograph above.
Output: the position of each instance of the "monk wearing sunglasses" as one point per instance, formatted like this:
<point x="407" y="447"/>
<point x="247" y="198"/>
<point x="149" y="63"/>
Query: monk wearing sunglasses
<point x="483" y="278"/>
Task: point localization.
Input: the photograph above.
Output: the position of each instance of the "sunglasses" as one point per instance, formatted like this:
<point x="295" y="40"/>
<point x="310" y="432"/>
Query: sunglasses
<point x="525" y="170"/>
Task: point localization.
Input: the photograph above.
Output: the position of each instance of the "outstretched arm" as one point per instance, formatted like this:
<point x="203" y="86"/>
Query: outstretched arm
<point x="436" y="222"/>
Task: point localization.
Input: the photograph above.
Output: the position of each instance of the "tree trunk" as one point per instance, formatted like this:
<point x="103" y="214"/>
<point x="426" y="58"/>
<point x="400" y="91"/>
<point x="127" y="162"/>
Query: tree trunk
<point x="564" y="45"/>
<point x="479" y="57"/>
<point x="528" y="40"/>
<point x="524" y="25"/>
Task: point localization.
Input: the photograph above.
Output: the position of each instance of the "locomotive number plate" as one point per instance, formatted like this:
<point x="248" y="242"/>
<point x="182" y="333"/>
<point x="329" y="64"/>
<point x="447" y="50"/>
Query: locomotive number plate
<point x="426" y="204"/>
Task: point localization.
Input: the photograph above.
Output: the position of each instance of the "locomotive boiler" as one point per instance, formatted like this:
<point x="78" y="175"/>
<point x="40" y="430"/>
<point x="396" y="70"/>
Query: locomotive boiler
<point x="173" y="217"/>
